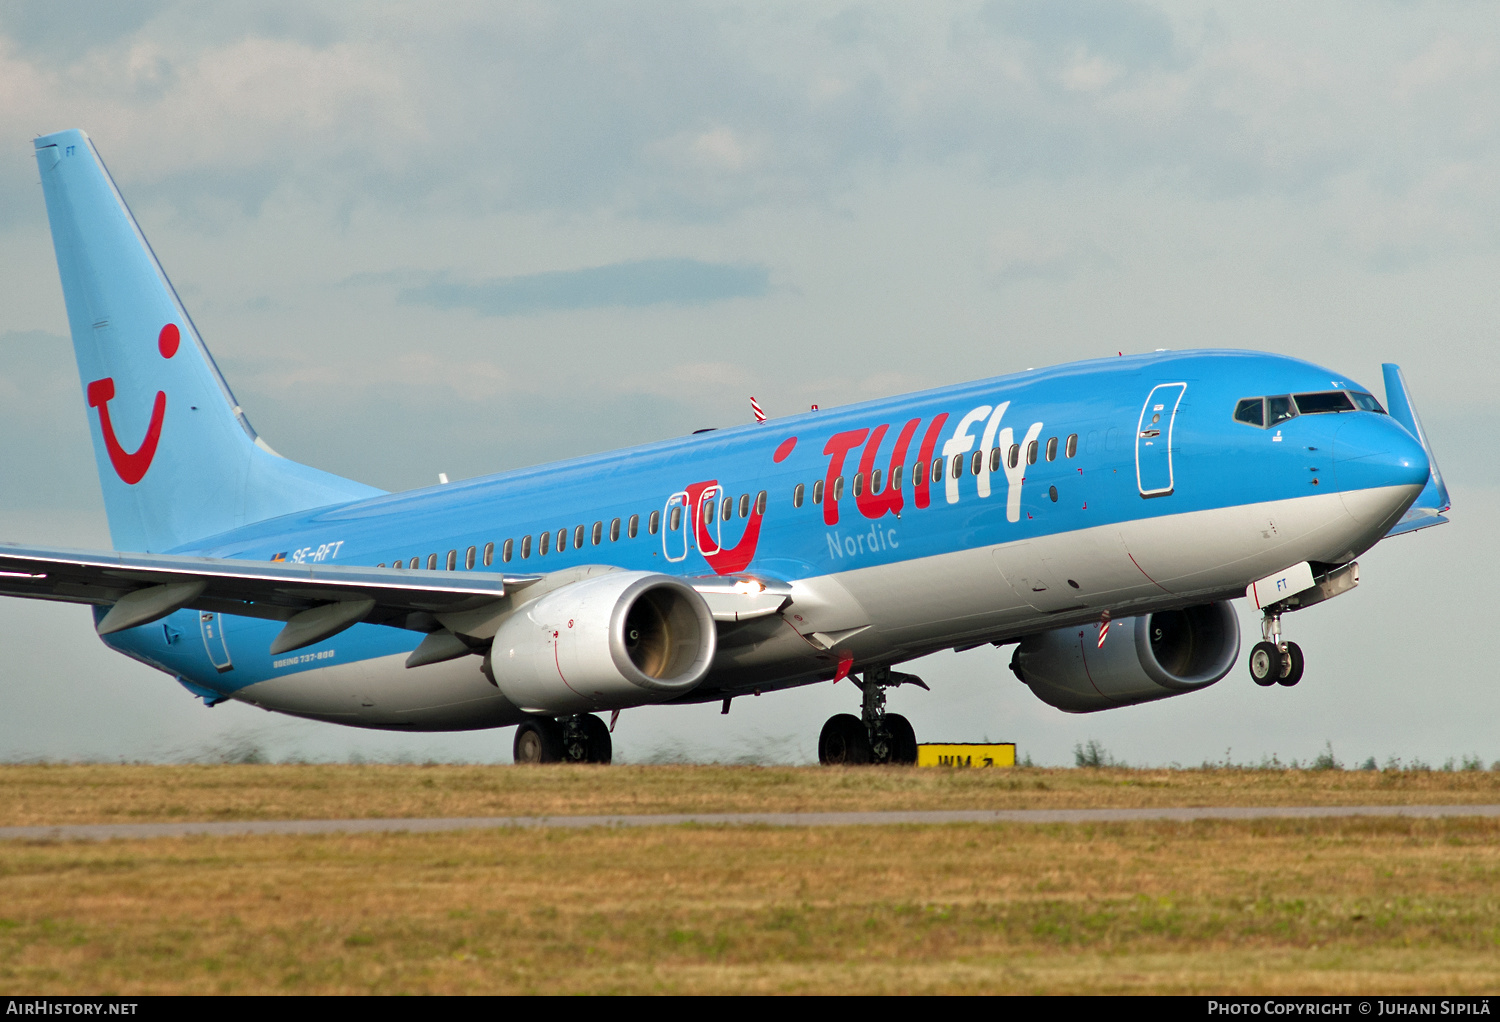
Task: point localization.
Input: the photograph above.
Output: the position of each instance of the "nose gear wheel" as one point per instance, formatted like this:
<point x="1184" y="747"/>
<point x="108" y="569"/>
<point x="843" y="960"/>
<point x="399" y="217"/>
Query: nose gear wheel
<point x="1272" y="661"/>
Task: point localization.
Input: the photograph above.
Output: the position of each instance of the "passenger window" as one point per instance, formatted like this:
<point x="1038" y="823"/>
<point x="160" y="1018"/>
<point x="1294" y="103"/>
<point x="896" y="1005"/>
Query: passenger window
<point x="525" y="547"/>
<point x="976" y="462"/>
<point x="506" y="550"/>
<point x="708" y="512"/>
<point x="614" y="531"/>
<point x="398" y="563"/>
<point x="543" y="544"/>
<point x="578" y="532"/>
<point x="598" y="536"/>
<point x="653" y="522"/>
<point x="728" y="509"/>
<point x="489" y="554"/>
<point x="958" y="466"/>
<point x="415" y="563"/>
<point x="1072" y="447"/>
<point x="838" y="488"/>
<point x="1251" y="411"/>
<point x="760" y="502"/>
<point x="818" y="492"/>
<point x="432" y="562"/>
<point x="937" y="470"/>
<point x="1279" y="409"/>
<point x="875" y="481"/>
<point x="450" y="563"/>
<point x="745" y="505"/>
<point x="797" y="495"/>
<point x="469" y="558"/>
<point x="859" y="484"/>
<point x="1052" y="448"/>
<point x="1015" y="455"/>
<point x="994" y="459"/>
<point x="633" y="527"/>
<point x="1031" y="453"/>
<point x="562" y="540"/>
<point x="676" y="520"/>
<point x="896" y="478"/>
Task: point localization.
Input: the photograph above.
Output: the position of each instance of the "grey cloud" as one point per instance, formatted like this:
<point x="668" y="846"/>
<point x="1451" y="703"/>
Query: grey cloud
<point x="618" y="285"/>
<point x="68" y="30"/>
<point x="45" y="452"/>
<point x="1125" y="32"/>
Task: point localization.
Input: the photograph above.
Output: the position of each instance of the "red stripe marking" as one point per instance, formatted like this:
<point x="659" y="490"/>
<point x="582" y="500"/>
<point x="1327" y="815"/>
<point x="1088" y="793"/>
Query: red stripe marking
<point x="1148" y="577"/>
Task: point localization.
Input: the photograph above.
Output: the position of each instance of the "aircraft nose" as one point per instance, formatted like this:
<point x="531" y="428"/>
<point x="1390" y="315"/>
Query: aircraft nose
<point x="1378" y="465"/>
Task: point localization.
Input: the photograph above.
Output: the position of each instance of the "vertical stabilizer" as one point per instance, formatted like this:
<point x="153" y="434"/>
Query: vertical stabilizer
<point x="177" y="459"/>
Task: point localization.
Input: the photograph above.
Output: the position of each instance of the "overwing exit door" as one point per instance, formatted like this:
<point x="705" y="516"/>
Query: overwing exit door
<point x="212" y="627"/>
<point x="1153" y="440"/>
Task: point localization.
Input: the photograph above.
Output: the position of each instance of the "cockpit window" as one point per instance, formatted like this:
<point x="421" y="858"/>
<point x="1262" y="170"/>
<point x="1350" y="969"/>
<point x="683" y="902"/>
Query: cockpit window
<point x="1270" y="411"/>
<point x="1327" y="401"/>
<point x="1279" y="409"/>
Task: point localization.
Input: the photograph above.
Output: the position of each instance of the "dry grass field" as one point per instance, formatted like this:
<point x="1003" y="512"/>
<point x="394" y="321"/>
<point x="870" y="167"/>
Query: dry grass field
<point x="56" y="794"/>
<point x="1284" y="906"/>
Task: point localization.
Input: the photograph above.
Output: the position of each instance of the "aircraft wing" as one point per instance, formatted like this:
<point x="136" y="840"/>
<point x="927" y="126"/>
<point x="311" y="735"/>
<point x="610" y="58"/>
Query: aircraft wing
<point x="316" y="600"/>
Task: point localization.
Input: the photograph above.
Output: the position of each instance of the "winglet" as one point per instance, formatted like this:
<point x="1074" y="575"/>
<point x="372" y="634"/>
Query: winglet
<point x="1433" y="501"/>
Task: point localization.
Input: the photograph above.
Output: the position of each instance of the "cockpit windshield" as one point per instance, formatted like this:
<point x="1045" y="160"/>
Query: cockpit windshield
<point x="1266" y="412"/>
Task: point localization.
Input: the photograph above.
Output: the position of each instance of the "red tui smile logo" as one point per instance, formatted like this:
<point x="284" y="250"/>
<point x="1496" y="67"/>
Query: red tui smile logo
<point x="131" y="466"/>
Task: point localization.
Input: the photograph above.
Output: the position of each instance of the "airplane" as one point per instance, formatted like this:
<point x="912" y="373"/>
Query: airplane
<point x="1100" y="516"/>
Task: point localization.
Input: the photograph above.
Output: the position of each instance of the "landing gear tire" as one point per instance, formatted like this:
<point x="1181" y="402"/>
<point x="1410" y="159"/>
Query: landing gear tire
<point x="1265" y="663"/>
<point x="844" y="741"/>
<point x="903" y="740"/>
<point x="600" y="748"/>
<point x="539" y="741"/>
<point x="1291" y="665"/>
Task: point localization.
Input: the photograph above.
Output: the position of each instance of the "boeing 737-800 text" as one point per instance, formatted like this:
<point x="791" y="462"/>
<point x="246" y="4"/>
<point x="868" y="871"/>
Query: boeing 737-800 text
<point x="1098" y="515"/>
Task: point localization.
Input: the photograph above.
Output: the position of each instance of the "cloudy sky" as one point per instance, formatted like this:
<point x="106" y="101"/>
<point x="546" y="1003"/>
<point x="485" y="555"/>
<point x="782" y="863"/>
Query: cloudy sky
<point x="469" y="237"/>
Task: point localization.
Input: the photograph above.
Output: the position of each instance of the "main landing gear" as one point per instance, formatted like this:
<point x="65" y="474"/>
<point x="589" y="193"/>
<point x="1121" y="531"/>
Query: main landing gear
<point x="582" y="738"/>
<point x="874" y="736"/>
<point x="1273" y="662"/>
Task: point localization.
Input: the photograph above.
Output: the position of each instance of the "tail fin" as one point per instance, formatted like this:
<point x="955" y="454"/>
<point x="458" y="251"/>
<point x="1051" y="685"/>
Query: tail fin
<point x="177" y="458"/>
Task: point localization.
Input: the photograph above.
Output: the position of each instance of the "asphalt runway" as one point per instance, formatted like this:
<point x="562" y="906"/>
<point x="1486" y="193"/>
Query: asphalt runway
<point x="113" y="831"/>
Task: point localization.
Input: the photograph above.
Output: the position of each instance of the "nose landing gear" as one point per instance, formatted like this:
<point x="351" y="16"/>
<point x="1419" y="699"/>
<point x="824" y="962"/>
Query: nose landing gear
<point x="1272" y="661"/>
<point x="874" y="736"/>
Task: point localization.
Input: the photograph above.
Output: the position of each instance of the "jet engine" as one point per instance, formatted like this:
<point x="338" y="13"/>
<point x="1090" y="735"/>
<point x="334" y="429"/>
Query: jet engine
<point x="1152" y="656"/>
<point x="616" y="640"/>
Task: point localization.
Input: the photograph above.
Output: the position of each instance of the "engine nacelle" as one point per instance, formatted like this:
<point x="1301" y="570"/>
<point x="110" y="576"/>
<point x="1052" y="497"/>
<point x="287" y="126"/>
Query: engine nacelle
<point x="616" y="640"/>
<point x="1144" y="658"/>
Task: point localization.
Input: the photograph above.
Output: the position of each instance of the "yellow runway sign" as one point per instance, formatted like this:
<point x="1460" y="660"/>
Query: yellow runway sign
<point x="954" y="754"/>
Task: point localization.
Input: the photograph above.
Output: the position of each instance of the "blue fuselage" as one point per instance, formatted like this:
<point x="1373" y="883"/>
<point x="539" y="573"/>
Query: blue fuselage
<point x="1018" y="458"/>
